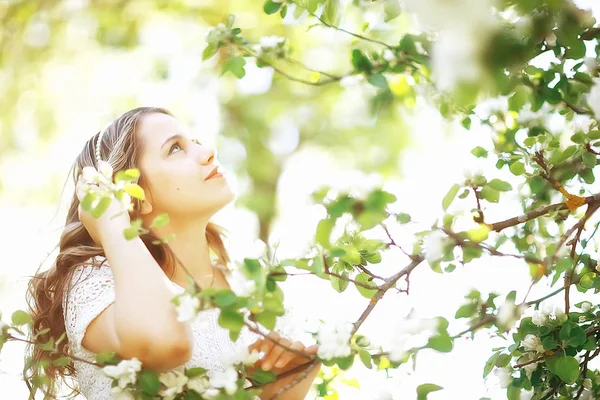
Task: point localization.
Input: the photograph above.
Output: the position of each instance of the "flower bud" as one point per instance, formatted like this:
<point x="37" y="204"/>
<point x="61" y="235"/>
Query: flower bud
<point x="105" y="169"/>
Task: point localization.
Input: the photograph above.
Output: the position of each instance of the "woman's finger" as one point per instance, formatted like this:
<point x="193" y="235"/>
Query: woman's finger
<point x="288" y="356"/>
<point x="275" y="353"/>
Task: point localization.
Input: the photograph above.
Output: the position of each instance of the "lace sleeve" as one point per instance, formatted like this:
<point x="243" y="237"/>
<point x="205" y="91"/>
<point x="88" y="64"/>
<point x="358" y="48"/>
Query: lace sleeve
<point x="92" y="289"/>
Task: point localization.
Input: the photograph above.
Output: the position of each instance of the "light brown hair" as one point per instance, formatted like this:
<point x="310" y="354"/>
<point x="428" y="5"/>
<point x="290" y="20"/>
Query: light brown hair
<point x="121" y="148"/>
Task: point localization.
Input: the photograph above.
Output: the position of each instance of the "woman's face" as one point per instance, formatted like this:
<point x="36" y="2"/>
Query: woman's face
<point x="175" y="168"/>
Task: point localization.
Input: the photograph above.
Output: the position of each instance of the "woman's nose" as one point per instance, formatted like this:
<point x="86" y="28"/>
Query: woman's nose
<point x="206" y="155"/>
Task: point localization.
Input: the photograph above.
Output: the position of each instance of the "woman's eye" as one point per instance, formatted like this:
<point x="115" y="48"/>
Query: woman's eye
<point x="174" y="146"/>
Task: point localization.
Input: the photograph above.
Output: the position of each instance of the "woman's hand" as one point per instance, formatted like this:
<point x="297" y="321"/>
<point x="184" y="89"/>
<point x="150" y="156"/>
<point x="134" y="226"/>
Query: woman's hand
<point x="278" y="359"/>
<point x="113" y="221"/>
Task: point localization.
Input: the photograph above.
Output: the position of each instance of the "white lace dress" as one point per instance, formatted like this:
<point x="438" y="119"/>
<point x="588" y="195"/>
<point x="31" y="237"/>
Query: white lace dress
<point x="92" y="290"/>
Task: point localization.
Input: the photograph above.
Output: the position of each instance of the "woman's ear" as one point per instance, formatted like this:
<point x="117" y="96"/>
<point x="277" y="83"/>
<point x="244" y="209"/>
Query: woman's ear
<point x="146" y="207"/>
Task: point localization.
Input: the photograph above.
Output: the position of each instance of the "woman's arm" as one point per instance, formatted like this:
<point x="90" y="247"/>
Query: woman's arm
<point x="142" y="322"/>
<point x="298" y="391"/>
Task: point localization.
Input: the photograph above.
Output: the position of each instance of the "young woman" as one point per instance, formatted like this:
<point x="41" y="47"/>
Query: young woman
<point x="111" y="294"/>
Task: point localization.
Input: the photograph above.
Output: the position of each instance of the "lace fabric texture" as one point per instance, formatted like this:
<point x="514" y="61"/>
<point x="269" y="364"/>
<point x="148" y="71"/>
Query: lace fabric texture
<point x="92" y="290"/>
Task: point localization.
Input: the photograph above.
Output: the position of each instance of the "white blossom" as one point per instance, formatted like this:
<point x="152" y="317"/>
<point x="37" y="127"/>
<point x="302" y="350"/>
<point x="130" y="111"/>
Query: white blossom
<point x="243" y="356"/>
<point x="473" y="15"/>
<point x="586" y="306"/>
<point x="532" y="343"/>
<point x="434" y="243"/>
<point x="455" y="59"/>
<point x="554" y="312"/>
<point x="240" y="285"/>
<point x="270" y="42"/>
<point x="226" y="379"/>
<point x="593" y="99"/>
<point x="508" y="314"/>
<point x="174" y="382"/>
<point x="105" y="169"/>
<point x="504" y="377"/>
<point x="187" y="308"/>
<point x="125" y="372"/>
<point x="581" y="123"/>
<point x="463" y="29"/>
<point x="415" y="326"/>
<point x="89" y="175"/>
<point x="523" y="26"/>
<point x="351" y="80"/>
<point x="119" y="393"/>
<point x="200" y="384"/>
<point x="587" y="383"/>
<point x="529" y="368"/>
<point x="591" y="63"/>
<point x="587" y="395"/>
<point x="389" y="55"/>
<point x="334" y="340"/>
<point x="539" y="318"/>
<point x="526" y="394"/>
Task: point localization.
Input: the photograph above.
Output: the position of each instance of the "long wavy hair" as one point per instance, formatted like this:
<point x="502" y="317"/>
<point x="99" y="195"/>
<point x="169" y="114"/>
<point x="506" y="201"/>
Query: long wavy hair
<point x="121" y="148"/>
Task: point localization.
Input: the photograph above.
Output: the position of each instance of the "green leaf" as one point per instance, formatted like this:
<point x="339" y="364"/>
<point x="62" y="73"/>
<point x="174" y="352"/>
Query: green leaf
<point x="87" y="201"/>
<point x="403" y="218"/>
<point x="62" y="361"/>
<point x="135" y="191"/>
<point x="517" y="168"/>
<point x="209" y="51"/>
<point x="479" y="234"/>
<point x="363" y="277"/>
<point x="378" y="80"/>
<point x="579" y="137"/>
<point x="20" y="317"/>
<point x="426" y="388"/>
<point x="267" y="319"/>
<point x="127" y="175"/>
<point x="589" y="159"/>
<point x="577" y="337"/>
<point x="271" y="7"/>
<point x="567" y="369"/>
<point x="489" y="194"/>
<point x="449" y="197"/>
<point x="500" y="185"/>
<point x="263" y="377"/>
<point x="366" y="359"/>
<point x="160" y="221"/>
<point x="594" y="135"/>
<point x="340" y="284"/>
<point x="149" y="382"/>
<point x="107" y="358"/>
<point x="236" y="66"/>
<point x="331" y="12"/>
<point x="225" y="298"/>
<point x="194" y="372"/>
<point x="230" y="319"/>
<point x="102" y="206"/>
<point x="324" y="229"/>
<point x="489" y="365"/>
<point x="466" y="311"/>
<point x="345" y="362"/>
<point x="479" y="152"/>
<point x="441" y="343"/>
<point x="360" y="62"/>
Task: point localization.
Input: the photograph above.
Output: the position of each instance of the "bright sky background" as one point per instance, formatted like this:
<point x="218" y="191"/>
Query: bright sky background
<point x="438" y="157"/>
